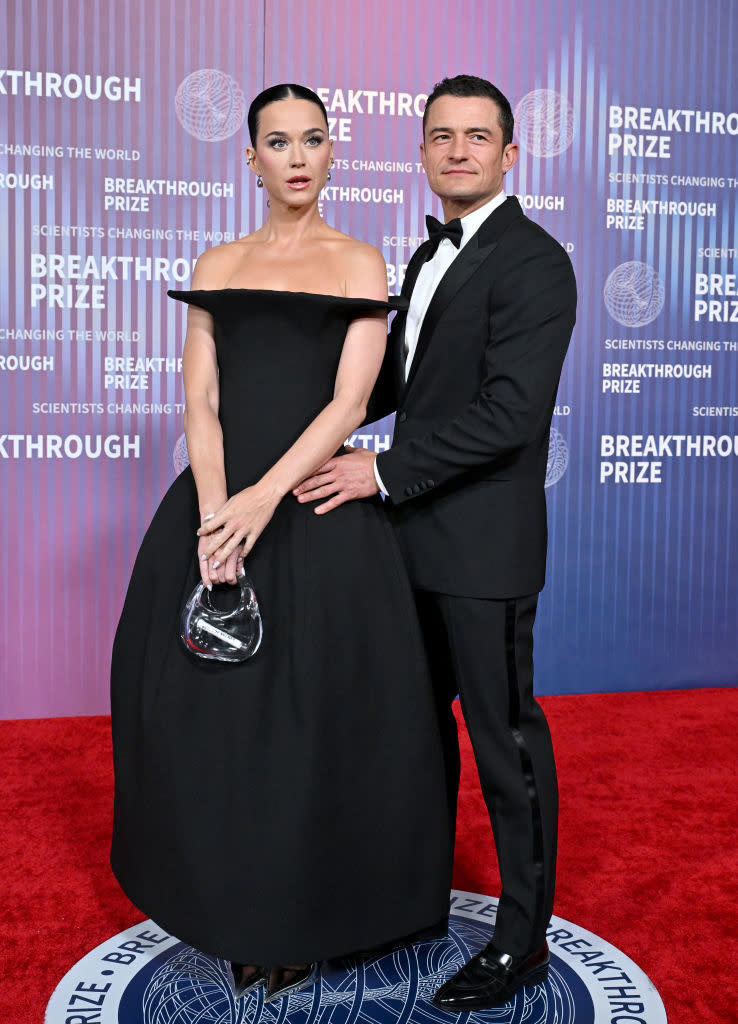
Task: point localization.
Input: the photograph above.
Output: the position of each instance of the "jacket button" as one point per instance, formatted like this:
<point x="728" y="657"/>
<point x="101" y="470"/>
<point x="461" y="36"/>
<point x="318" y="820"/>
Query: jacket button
<point x="402" y="417"/>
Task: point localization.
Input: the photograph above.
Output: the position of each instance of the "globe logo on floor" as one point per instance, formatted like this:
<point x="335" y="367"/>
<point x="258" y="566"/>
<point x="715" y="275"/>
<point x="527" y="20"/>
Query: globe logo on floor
<point x="144" y="976"/>
<point x="210" y="105"/>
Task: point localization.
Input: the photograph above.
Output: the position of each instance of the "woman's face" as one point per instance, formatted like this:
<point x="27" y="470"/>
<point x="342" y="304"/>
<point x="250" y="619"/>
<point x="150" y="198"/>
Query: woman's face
<point x="293" y="153"/>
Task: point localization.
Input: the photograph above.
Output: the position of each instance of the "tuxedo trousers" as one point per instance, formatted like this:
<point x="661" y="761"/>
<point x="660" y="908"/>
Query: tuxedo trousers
<point x="483" y="650"/>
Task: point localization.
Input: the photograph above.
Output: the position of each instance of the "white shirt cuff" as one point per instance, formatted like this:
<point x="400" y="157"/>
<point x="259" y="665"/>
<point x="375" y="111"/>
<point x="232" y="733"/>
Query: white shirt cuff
<point x="378" y="478"/>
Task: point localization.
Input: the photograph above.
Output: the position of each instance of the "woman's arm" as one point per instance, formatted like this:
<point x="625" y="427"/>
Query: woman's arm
<point x="244" y="516"/>
<point x="201" y="423"/>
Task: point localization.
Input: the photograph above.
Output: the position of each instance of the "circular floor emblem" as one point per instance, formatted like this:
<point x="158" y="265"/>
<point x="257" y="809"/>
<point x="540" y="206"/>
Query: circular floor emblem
<point x="545" y="121"/>
<point x="210" y="105"/>
<point x="558" y="458"/>
<point x="144" y="976"/>
<point x="634" y="294"/>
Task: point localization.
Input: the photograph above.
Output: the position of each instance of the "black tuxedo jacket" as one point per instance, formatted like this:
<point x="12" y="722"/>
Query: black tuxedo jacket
<point x="467" y="467"/>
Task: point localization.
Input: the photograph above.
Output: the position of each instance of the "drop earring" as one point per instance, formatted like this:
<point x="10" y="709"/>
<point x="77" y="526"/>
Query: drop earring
<point x="259" y="182"/>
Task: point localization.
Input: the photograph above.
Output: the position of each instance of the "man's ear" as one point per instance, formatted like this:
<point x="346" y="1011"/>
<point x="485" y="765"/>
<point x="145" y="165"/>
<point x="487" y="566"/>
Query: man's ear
<point x="510" y="156"/>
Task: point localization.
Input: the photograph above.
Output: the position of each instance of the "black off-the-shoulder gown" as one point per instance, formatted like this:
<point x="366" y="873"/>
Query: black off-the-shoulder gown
<point x="292" y="808"/>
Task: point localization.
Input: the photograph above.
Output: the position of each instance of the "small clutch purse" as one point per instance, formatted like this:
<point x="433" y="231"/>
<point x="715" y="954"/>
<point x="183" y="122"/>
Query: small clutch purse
<point x="218" y="634"/>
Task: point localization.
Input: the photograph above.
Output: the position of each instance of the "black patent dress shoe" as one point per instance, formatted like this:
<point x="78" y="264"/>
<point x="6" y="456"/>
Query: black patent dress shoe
<point x="246" y="977"/>
<point x="284" y="981"/>
<point x="490" y="979"/>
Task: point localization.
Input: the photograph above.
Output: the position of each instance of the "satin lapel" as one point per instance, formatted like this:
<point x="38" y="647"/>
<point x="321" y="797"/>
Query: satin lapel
<point x="398" y="328"/>
<point x="471" y="257"/>
<point x="466" y="263"/>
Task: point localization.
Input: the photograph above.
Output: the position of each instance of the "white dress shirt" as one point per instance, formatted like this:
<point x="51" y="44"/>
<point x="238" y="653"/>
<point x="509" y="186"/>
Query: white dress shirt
<point x="428" y="280"/>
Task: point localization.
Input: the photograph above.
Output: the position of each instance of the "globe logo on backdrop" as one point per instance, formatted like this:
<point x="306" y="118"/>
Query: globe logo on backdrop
<point x="558" y="458"/>
<point x="545" y="121"/>
<point x="180" y="456"/>
<point x="210" y="105"/>
<point x="634" y="294"/>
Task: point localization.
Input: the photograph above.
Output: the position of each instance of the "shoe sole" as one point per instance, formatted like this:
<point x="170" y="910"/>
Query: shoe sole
<point x="535" y="977"/>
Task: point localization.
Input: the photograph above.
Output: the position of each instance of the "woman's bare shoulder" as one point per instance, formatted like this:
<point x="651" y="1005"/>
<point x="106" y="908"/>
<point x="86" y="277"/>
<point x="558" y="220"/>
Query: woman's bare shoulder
<point x="365" y="269"/>
<point x="215" y="266"/>
<point x="351" y="246"/>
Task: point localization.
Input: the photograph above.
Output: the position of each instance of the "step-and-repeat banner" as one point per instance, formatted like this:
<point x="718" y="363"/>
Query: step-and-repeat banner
<point x="122" y="129"/>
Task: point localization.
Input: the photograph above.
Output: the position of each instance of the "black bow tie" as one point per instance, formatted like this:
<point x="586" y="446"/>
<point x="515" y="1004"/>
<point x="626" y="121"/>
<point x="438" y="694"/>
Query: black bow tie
<point x="436" y="231"/>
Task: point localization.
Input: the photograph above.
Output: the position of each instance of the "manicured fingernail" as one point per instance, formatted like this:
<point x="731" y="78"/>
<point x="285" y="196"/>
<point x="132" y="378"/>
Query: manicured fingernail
<point x="242" y="572"/>
<point x="210" y="586"/>
<point x="216" y="564"/>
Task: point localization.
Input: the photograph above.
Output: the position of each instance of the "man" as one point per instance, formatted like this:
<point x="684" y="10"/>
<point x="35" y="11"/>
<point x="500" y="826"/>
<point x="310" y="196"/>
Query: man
<point x="476" y="361"/>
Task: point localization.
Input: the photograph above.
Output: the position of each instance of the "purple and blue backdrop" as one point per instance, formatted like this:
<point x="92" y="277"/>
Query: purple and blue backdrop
<point x="121" y="159"/>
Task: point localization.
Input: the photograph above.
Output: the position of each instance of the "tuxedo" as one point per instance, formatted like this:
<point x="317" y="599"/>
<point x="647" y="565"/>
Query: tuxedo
<point x="467" y="467"/>
<point x="465" y="480"/>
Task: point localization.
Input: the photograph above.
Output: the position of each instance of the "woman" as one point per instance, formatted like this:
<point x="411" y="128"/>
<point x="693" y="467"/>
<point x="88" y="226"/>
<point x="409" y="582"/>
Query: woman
<point x="291" y="808"/>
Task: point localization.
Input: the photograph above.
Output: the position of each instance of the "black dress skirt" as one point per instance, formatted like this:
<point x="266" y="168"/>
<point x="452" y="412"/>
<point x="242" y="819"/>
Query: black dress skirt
<point x="291" y="808"/>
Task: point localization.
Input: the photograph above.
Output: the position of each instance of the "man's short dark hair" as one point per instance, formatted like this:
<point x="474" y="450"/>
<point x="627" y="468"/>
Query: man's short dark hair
<point x="470" y="85"/>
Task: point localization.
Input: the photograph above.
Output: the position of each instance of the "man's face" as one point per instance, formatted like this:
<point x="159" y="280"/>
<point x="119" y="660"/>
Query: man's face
<point x="462" y="150"/>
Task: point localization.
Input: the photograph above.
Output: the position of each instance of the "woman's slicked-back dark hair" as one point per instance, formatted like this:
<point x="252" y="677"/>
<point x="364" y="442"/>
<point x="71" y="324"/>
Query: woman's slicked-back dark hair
<point x="470" y="85"/>
<point x="285" y="91"/>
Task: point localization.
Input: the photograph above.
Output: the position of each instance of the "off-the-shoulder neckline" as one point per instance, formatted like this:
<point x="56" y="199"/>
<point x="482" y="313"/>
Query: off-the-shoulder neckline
<point x="279" y="291"/>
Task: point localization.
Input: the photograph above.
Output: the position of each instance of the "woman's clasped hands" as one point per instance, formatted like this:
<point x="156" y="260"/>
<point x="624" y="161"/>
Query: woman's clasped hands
<point x="227" y="536"/>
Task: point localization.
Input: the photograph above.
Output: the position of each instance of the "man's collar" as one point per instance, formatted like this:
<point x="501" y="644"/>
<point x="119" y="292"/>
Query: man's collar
<point x="472" y="222"/>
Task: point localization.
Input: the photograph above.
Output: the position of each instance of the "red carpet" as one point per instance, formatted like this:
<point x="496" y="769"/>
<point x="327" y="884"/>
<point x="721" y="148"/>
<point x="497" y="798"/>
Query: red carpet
<point x="647" y="847"/>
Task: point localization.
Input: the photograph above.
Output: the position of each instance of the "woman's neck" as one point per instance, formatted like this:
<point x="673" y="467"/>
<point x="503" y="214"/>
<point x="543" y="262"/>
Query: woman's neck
<point x="290" y="225"/>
